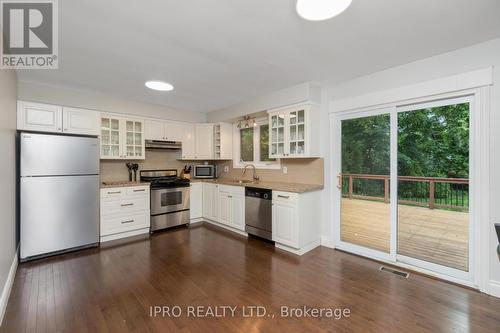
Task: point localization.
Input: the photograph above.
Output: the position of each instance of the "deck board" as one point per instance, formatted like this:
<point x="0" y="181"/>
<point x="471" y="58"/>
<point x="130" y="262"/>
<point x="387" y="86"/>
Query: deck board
<point x="434" y="235"/>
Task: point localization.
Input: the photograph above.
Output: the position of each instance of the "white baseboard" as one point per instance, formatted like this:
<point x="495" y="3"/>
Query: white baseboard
<point x="4" y="299"/>
<point x="226" y="227"/>
<point x="327" y="242"/>
<point x="124" y="235"/>
<point x="494" y="288"/>
<point x="301" y="251"/>
<point x="196" y="220"/>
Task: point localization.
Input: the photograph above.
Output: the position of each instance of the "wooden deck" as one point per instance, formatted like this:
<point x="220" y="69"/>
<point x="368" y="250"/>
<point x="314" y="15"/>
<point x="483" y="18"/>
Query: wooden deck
<point x="437" y="236"/>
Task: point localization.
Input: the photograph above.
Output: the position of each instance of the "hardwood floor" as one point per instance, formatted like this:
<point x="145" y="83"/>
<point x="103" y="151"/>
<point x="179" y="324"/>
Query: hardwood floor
<point x="111" y="290"/>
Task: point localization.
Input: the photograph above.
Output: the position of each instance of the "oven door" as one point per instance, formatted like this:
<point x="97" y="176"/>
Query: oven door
<point x="169" y="200"/>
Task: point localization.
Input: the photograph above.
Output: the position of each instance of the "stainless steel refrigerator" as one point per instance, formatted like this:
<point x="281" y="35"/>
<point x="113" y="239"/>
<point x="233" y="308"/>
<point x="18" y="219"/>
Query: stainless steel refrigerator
<point x="59" y="193"/>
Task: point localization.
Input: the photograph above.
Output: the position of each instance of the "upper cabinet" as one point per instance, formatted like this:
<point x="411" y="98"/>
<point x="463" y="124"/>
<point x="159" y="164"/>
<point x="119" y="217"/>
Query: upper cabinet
<point x="56" y="119"/>
<point x="223" y="141"/>
<point x="291" y="134"/>
<point x="204" y="142"/>
<point x="122" y="138"/>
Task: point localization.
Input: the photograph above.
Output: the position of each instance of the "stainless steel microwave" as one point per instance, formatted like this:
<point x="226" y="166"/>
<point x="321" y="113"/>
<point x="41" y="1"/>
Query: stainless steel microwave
<point x="205" y="171"/>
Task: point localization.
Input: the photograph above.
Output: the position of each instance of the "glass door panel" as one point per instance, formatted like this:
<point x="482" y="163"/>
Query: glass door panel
<point x="296" y="132"/>
<point x="433" y="185"/>
<point x="133" y="135"/>
<point x="110" y="137"/>
<point x="364" y="181"/>
<point x="278" y="134"/>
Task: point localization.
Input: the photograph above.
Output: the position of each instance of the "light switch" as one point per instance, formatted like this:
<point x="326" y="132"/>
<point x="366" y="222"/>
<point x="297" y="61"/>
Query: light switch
<point x="226" y="169"/>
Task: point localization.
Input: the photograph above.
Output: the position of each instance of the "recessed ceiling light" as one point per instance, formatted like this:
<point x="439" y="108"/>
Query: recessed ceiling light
<point x="159" y="85"/>
<point x="318" y="10"/>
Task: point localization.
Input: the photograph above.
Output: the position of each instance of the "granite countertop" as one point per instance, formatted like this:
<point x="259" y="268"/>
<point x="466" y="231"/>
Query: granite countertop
<point x="123" y="184"/>
<point x="276" y="186"/>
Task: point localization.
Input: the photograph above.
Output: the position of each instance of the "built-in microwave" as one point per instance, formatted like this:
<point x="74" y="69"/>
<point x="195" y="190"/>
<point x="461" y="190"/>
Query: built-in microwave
<point x="205" y="171"/>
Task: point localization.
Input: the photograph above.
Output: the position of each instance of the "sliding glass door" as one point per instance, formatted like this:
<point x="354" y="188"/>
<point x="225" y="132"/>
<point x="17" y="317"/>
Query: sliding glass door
<point x="421" y="152"/>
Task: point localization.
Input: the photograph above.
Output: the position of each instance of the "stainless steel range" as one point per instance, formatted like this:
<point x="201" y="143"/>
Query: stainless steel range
<point x="169" y="198"/>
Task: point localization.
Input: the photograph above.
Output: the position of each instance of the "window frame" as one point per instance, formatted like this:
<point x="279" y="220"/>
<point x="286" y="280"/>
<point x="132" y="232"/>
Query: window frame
<point x="237" y="162"/>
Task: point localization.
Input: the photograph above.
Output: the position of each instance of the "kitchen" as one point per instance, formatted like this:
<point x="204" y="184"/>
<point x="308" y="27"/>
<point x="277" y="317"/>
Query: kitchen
<point x="306" y="165"/>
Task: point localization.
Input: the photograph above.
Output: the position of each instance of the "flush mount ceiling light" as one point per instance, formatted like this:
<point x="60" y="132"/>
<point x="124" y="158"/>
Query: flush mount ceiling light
<point x="159" y="85"/>
<point x="319" y="10"/>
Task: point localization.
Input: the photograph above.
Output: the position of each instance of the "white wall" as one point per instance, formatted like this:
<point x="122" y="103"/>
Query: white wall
<point x="467" y="59"/>
<point x="36" y="92"/>
<point x="293" y="95"/>
<point x="8" y="246"/>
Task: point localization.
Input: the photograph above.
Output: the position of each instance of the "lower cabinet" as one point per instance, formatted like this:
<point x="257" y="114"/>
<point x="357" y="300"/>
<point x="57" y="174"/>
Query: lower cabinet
<point x="296" y="221"/>
<point x="196" y="200"/>
<point x="232" y="206"/>
<point x="211" y="201"/>
<point x="124" y="212"/>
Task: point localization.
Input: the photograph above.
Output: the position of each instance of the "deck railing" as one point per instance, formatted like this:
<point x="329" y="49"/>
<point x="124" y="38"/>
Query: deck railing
<point x="431" y="192"/>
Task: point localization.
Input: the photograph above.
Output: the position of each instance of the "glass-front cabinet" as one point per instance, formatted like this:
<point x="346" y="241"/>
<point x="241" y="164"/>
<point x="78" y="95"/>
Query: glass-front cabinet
<point x="122" y="138"/>
<point x="288" y="136"/>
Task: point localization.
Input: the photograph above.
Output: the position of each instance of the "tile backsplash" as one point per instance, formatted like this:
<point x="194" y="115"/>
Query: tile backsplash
<point x="303" y="171"/>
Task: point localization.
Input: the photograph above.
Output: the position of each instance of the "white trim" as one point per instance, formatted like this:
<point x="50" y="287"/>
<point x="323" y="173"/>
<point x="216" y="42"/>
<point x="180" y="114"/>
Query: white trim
<point x="303" y="250"/>
<point x="196" y="220"/>
<point x="494" y="288"/>
<point x="223" y="226"/>
<point x="455" y="83"/>
<point x="7" y="288"/>
<point x="327" y="242"/>
<point x="124" y="235"/>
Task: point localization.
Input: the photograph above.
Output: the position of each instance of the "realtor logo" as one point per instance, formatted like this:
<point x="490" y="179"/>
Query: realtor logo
<point x="29" y="31"/>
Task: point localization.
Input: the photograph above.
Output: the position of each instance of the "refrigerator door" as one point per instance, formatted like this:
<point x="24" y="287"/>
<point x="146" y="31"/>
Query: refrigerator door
<point x="58" y="213"/>
<point x="57" y="155"/>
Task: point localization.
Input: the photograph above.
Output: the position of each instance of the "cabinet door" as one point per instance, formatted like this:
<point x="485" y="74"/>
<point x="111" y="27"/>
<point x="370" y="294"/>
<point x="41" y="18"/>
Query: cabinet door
<point x="296" y="133"/>
<point x="285" y="224"/>
<point x="226" y="141"/>
<point x="80" y="121"/>
<point x="134" y="143"/>
<point x="207" y="200"/>
<point x="174" y="131"/>
<point x="215" y="203"/>
<point x="238" y="212"/>
<point x="188" y="143"/>
<point x="225" y="208"/>
<point x="277" y="147"/>
<point x="111" y="137"/>
<point x="196" y="200"/>
<point x="154" y="130"/>
<point x="39" y="117"/>
<point x="204" y="137"/>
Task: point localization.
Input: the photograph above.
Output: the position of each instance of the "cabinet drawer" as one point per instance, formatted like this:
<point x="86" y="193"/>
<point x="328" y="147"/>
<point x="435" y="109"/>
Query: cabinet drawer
<point x="285" y="196"/>
<point x="127" y="204"/>
<point x="236" y="190"/>
<point x="113" y="192"/>
<point x="138" y="191"/>
<point x="114" y="225"/>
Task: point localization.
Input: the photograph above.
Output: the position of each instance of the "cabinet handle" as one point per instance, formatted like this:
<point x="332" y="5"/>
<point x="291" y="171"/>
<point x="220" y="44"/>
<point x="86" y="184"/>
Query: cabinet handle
<point x="143" y="190"/>
<point x="229" y="196"/>
<point x="284" y="196"/>
<point x="117" y="192"/>
<point x="59" y="129"/>
<point x="126" y="205"/>
<point x="129" y="221"/>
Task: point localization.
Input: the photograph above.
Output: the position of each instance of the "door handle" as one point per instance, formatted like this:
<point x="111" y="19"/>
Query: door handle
<point x="129" y="204"/>
<point x="143" y="190"/>
<point x="117" y="192"/>
<point x="129" y="221"/>
<point x="284" y="196"/>
<point x="339" y="181"/>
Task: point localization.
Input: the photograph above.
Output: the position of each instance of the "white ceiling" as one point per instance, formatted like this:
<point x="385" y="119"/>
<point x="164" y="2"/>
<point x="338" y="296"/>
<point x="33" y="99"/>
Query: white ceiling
<point x="221" y="52"/>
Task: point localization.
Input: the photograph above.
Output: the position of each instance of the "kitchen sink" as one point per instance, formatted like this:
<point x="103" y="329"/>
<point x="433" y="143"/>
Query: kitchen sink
<point x="243" y="181"/>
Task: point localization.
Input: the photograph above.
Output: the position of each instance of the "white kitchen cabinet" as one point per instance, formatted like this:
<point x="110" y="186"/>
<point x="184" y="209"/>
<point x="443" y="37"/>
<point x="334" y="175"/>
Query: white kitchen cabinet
<point x="124" y="212"/>
<point x="56" y="119"/>
<point x="39" y="117"/>
<point x="174" y="131"/>
<point x="122" y="138"/>
<point x="196" y="200"/>
<point x="232" y="206"/>
<point x="211" y="201"/>
<point x="296" y="221"/>
<point x="204" y="142"/>
<point x="154" y="130"/>
<point x="223" y="141"/>
<point x="291" y="132"/>
<point x="188" y="143"/>
<point x="81" y="121"/>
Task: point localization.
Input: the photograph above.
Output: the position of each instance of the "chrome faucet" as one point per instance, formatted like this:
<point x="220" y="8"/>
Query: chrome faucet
<point x="255" y="177"/>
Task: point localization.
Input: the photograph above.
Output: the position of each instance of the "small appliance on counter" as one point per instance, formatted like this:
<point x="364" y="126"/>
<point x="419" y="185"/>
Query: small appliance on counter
<point x="169" y="198"/>
<point x="186" y="172"/>
<point x="132" y="171"/>
<point x="205" y="171"/>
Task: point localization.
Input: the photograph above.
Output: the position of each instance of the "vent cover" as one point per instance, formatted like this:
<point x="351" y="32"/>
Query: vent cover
<point x="395" y="271"/>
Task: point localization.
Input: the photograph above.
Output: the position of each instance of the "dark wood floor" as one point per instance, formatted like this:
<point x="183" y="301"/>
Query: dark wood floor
<point x="111" y="290"/>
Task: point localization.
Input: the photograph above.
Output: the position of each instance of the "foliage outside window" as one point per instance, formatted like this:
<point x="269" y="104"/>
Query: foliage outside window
<point x="252" y="146"/>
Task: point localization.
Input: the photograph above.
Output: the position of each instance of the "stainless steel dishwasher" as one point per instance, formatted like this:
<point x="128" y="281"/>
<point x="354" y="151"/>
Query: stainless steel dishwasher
<point x="258" y="212"/>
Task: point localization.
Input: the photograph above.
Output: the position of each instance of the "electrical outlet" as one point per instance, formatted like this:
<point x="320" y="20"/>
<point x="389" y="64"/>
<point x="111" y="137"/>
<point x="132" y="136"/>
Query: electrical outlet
<point x="285" y="170"/>
<point x="226" y="169"/>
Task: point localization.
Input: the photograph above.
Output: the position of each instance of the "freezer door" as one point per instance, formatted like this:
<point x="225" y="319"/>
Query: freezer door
<point x="57" y="155"/>
<point x="58" y="213"/>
